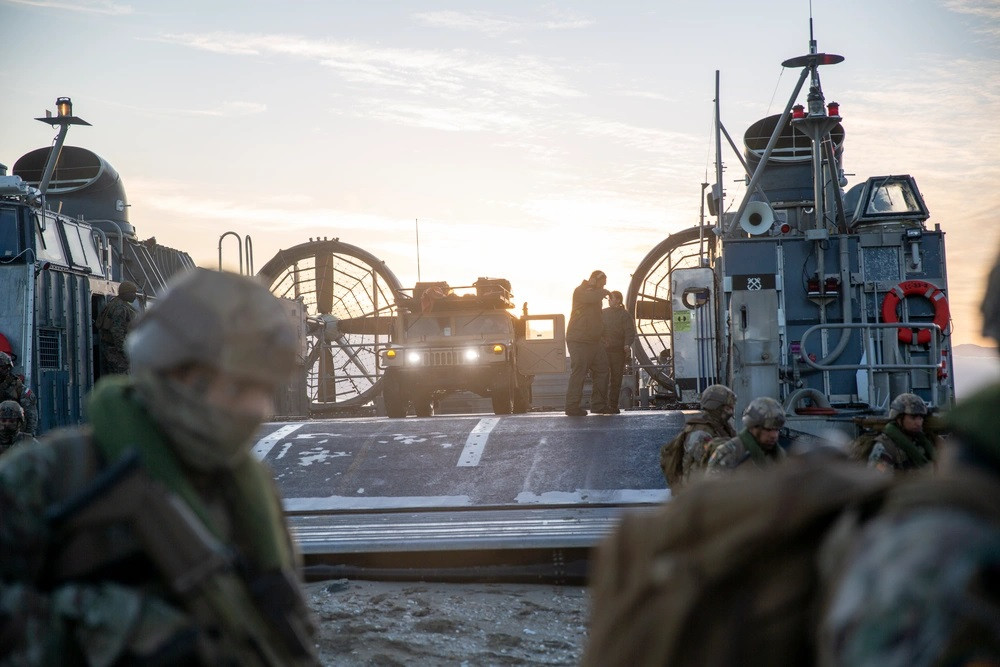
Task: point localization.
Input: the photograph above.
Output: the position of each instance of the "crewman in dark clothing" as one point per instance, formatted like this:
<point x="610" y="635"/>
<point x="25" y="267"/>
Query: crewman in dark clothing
<point x="113" y="324"/>
<point x="584" y="334"/>
<point x="619" y="334"/>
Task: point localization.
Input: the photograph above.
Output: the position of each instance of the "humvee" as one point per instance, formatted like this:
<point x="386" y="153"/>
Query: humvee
<point x="447" y="339"/>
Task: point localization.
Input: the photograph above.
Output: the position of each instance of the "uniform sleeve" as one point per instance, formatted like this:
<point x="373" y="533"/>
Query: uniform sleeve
<point x="29" y="403"/>
<point x="588" y="296"/>
<point x="880" y="459"/>
<point x="629" y="328"/>
<point x="120" y="325"/>
<point x="104" y="621"/>
<point x="721" y="460"/>
<point x="935" y="605"/>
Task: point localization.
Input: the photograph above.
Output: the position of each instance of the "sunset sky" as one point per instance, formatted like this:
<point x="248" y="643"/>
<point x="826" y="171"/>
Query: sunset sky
<point x="533" y="140"/>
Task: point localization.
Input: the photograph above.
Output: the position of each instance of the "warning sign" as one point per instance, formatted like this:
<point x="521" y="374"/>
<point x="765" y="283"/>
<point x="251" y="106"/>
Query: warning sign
<point x="682" y="320"/>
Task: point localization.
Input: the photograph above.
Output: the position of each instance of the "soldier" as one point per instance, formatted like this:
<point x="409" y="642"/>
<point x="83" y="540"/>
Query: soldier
<point x="113" y="324"/>
<point x="757" y="442"/>
<point x="12" y="426"/>
<point x="583" y="338"/>
<point x="713" y="422"/>
<point x="619" y="334"/>
<point x="154" y="536"/>
<point x="12" y="388"/>
<point x="918" y="584"/>
<point x="902" y="444"/>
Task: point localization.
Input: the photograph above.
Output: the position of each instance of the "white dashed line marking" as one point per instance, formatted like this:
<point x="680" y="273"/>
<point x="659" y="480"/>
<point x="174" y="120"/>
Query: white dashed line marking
<point x="477" y="442"/>
<point x="266" y="444"/>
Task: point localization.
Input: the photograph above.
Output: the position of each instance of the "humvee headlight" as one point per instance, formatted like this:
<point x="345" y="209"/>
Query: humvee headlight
<point x="413" y="358"/>
<point x="390" y="354"/>
<point x="498" y="349"/>
<point x="471" y="354"/>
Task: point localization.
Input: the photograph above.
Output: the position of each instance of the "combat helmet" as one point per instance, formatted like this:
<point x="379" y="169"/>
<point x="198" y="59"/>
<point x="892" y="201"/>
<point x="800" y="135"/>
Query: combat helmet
<point x="127" y="290"/>
<point x="907" y="404"/>
<point x="12" y="410"/>
<point x="717" y="395"/>
<point x="222" y="320"/>
<point x="764" y="412"/>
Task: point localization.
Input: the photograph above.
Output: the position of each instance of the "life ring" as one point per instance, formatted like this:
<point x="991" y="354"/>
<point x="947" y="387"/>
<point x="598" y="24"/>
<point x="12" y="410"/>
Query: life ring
<point x="942" y="313"/>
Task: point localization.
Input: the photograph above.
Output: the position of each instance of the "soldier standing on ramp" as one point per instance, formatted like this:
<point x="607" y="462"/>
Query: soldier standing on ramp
<point x="619" y="334"/>
<point x="583" y="338"/>
<point x="154" y="536"/>
<point x="113" y="324"/>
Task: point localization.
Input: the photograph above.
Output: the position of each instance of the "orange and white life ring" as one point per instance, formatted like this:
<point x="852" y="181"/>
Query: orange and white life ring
<point x="942" y="313"/>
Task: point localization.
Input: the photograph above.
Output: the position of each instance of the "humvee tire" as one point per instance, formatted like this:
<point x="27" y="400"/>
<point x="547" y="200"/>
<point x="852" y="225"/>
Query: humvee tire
<point x="392" y="396"/>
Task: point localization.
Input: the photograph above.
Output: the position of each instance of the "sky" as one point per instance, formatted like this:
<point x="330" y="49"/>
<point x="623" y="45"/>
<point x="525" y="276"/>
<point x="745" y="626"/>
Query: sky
<point x="535" y="141"/>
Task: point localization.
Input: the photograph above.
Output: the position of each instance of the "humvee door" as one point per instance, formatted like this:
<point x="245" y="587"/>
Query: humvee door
<point x="543" y="348"/>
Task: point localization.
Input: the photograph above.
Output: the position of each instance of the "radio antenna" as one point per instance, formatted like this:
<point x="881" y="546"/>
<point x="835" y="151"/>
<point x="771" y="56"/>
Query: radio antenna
<point x="416" y="224"/>
<point x="812" y="39"/>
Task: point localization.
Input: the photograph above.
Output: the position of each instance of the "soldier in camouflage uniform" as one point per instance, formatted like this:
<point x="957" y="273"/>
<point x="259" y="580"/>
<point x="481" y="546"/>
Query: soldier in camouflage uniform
<point x="757" y="442"/>
<point x="902" y="444"/>
<point x="153" y="535"/>
<point x="712" y="423"/>
<point x="12" y="426"/>
<point x="918" y="585"/>
<point x="586" y="353"/>
<point x="12" y="389"/>
<point x="113" y="324"/>
<point x="619" y="334"/>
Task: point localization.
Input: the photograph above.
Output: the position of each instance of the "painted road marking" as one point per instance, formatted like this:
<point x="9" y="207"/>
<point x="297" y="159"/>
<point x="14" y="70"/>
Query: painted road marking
<point x="266" y="444"/>
<point x="477" y="442"/>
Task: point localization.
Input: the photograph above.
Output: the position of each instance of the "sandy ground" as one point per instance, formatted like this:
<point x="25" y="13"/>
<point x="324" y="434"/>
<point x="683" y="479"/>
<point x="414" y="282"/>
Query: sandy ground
<point x="389" y="623"/>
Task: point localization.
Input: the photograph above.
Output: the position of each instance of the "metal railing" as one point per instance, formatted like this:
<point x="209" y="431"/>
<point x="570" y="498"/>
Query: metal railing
<point x="870" y="340"/>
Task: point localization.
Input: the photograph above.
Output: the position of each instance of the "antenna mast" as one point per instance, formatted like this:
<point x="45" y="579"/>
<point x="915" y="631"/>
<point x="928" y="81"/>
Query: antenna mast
<point x="416" y="223"/>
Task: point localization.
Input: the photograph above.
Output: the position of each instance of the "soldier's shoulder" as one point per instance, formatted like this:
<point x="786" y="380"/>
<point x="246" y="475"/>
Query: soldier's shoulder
<point x="53" y="448"/>
<point x="937" y="556"/>
<point x="725" y="453"/>
<point x="881" y="450"/>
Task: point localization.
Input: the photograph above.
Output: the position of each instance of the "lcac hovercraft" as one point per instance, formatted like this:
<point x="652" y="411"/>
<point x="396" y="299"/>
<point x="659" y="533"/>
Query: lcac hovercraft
<point x="831" y="302"/>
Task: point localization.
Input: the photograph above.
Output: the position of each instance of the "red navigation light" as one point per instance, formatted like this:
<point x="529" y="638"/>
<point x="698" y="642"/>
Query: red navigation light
<point x="833" y="108"/>
<point x="785" y="228"/>
<point x="798" y="111"/>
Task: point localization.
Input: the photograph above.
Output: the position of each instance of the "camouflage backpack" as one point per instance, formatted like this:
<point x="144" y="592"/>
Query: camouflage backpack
<point x="672" y="458"/>
<point x="862" y="446"/>
<point x="726" y="573"/>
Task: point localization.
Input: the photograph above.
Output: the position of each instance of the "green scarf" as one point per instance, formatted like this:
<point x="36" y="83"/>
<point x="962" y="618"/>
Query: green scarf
<point x="757" y="454"/>
<point x="756" y="451"/>
<point x="121" y="425"/>
<point x="920" y="453"/>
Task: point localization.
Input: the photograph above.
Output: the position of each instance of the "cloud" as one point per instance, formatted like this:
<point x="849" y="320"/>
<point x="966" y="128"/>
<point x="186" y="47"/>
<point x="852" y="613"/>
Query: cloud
<point x="987" y="9"/>
<point x="449" y="73"/>
<point x="224" y="110"/>
<point x="176" y="198"/>
<point x="493" y="24"/>
<point x="91" y="7"/>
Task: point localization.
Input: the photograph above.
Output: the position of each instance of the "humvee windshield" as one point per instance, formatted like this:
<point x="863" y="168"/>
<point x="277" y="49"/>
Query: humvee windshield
<point x="472" y="324"/>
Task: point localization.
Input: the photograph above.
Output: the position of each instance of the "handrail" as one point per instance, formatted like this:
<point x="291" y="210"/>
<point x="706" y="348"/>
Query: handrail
<point x="871" y="366"/>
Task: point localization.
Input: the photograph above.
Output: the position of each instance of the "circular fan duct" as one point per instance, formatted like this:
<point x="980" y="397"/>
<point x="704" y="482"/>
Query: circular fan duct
<point x="649" y="298"/>
<point x="350" y="299"/>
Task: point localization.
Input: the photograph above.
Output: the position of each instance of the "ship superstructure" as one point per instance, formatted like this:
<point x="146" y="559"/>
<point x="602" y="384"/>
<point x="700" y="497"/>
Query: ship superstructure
<point x="831" y="301"/>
